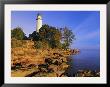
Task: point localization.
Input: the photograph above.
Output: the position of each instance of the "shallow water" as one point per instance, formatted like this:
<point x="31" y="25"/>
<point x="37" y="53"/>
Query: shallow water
<point x="85" y="60"/>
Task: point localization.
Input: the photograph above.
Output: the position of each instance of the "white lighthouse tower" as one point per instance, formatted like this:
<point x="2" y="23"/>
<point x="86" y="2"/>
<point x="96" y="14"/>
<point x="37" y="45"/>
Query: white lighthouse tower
<point x="39" y="22"/>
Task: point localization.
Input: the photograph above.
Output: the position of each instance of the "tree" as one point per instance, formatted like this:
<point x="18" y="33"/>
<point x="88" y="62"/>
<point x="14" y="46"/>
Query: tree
<point x="17" y="33"/>
<point x="67" y="38"/>
<point x="25" y="38"/>
<point x="51" y="34"/>
<point x="34" y="36"/>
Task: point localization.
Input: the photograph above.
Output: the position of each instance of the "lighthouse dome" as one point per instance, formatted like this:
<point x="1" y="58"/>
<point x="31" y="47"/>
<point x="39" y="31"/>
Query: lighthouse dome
<point x="39" y="16"/>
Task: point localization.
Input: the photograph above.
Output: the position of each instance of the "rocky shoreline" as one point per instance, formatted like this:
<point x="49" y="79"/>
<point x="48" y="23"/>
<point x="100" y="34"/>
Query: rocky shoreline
<point x="27" y="61"/>
<point x="54" y="64"/>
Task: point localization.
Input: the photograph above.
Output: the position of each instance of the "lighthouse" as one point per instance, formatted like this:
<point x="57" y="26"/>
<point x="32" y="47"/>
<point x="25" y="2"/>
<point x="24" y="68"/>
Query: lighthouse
<point x="39" y="22"/>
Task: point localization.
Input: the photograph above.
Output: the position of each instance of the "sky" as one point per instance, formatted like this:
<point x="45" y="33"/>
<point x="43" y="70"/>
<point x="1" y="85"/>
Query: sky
<point x="84" y="24"/>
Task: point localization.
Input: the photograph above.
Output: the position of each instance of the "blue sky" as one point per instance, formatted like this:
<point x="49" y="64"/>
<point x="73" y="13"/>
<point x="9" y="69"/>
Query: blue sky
<point x="84" y="24"/>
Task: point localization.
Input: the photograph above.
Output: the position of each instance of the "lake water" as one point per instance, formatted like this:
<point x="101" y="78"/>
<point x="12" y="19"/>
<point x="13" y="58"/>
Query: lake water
<point x="85" y="60"/>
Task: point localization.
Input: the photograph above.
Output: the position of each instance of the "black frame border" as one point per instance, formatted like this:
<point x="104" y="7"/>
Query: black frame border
<point x="3" y="2"/>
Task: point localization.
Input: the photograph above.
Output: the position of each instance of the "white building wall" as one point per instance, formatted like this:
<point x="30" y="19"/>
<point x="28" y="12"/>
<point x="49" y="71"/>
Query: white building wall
<point x="39" y="23"/>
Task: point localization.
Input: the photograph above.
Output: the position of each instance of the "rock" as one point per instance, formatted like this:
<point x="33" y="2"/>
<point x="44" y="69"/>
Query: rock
<point x="48" y="60"/>
<point x="57" y="61"/>
<point x="64" y="59"/>
<point x="52" y="74"/>
<point x="43" y="67"/>
<point x="53" y="67"/>
<point x="86" y="73"/>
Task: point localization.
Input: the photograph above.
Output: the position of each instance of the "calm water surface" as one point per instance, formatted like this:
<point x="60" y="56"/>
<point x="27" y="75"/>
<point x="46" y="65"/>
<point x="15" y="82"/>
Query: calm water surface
<point x="86" y="59"/>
